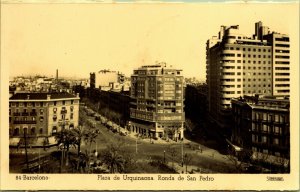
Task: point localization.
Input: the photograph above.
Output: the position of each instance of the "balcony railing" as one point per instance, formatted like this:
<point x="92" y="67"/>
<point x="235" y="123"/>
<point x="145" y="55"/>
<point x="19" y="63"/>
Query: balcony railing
<point x="24" y="122"/>
<point x="25" y="114"/>
<point x="33" y="114"/>
<point x="17" y="114"/>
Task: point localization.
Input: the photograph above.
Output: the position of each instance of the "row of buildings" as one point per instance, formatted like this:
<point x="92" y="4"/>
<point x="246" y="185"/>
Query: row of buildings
<point x="153" y="106"/>
<point x="248" y="82"/>
<point x="247" y="94"/>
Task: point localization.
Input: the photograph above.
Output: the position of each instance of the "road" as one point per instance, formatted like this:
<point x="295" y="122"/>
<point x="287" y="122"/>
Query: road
<point x="206" y="159"/>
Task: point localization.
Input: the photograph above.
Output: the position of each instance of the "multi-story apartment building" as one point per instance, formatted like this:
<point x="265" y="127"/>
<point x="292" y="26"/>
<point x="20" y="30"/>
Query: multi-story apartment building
<point x="157" y="101"/>
<point x="280" y="63"/>
<point x="42" y="114"/>
<point x="238" y="65"/>
<point x="262" y="125"/>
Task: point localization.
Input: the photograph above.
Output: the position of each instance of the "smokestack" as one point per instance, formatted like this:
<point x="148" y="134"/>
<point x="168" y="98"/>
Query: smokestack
<point x="56" y="75"/>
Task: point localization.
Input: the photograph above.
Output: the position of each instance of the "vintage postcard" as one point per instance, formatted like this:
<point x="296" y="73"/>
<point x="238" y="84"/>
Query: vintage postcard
<point x="158" y="95"/>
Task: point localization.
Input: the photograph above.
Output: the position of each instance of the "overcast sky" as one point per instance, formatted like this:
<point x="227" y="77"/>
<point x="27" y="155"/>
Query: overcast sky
<point x="81" y="38"/>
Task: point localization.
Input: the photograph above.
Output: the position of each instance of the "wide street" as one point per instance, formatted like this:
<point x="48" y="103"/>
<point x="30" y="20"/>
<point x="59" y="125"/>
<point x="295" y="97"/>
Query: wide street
<point x="203" y="159"/>
<point x="200" y="158"/>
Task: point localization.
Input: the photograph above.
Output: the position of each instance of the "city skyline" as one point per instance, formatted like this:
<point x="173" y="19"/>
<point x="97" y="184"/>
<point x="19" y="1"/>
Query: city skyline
<point x="81" y="38"/>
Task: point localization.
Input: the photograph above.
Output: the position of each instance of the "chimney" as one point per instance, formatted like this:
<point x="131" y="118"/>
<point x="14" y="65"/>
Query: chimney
<point x="56" y="75"/>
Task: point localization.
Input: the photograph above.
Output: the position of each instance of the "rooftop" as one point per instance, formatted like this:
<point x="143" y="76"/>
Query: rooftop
<point x="264" y="103"/>
<point x="41" y="96"/>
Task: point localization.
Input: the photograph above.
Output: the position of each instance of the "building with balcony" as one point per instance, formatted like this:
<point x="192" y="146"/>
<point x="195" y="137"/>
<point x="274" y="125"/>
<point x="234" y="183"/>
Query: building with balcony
<point x="237" y="65"/>
<point x="262" y="125"/>
<point x="42" y="114"/>
<point x="157" y="107"/>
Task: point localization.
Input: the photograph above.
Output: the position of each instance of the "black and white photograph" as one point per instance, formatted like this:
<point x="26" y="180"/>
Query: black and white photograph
<point x="175" y="95"/>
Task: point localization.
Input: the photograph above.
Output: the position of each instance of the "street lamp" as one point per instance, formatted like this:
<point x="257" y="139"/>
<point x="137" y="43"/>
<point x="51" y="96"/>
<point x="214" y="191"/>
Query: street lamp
<point x="182" y="153"/>
<point x="136" y="150"/>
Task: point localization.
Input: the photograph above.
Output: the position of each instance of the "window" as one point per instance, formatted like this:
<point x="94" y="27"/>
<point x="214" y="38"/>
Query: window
<point x="64" y="102"/>
<point x="54" y="129"/>
<point x="276" y="130"/>
<point x="41" y="119"/>
<point x="264" y="139"/>
<point x="41" y="131"/>
<point x="32" y="130"/>
<point x="54" y="103"/>
<point x="16" y="131"/>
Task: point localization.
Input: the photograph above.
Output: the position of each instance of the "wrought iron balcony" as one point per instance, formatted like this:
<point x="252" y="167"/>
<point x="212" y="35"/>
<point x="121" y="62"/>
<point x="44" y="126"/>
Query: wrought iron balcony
<point x="25" y="122"/>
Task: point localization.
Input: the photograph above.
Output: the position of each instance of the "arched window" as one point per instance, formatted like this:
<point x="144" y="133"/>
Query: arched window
<point x="16" y="131"/>
<point x="25" y="130"/>
<point x="71" y="126"/>
<point x="32" y="131"/>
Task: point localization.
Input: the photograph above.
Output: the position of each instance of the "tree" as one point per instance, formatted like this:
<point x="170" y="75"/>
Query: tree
<point x="186" y="160"/>
<point x="79" y="135"/>
<point x="90" y="138"/>
<point x="113" y="159"/>
<point x="173" y="154"/>
<point x="65" y="137"/>
<point x="45" y="143"/>
<point x="239" y="159"/>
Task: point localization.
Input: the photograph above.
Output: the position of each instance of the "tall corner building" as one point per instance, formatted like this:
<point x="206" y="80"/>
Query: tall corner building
<point x="237" y="65"/>
<point x="157" y="101"/>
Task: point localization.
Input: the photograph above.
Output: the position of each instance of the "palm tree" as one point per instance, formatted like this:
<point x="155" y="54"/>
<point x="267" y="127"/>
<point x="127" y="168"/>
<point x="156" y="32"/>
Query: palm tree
<point x="113" y="159"/>
<point x="79" y="134"/>
<point x="66" y="137"/>
<point x="90" y="137"/>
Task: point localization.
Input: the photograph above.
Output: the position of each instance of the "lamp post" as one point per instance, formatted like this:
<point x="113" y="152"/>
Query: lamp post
<point x="136" y="149"/>
<point x="26" y="155"/>
<point x="182" y="153"/>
